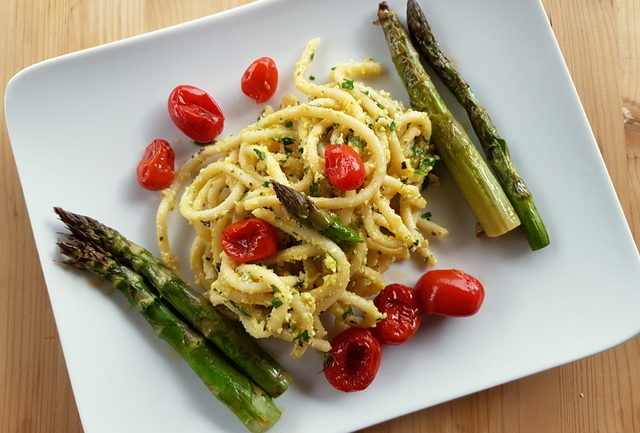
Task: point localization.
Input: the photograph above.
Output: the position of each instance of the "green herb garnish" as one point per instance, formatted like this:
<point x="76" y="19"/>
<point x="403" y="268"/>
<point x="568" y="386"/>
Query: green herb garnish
<point x="304" y="336"/>
<point x="276" y="302"/>
<point x="347" y="84"/>
<point x="354" y="140"/>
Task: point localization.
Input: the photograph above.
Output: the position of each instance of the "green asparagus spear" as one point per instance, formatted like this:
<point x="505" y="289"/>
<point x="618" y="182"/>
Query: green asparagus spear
<point x="226" y="334"/>
<point x="495" y="148"/>
<point x="305" y="211"/>
<point x="479" y="187"/>
<point x="246" y="400"/>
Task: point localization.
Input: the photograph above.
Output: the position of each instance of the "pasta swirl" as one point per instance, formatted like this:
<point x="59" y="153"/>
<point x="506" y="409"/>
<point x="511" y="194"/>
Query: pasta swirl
<point x="311" y="284"/>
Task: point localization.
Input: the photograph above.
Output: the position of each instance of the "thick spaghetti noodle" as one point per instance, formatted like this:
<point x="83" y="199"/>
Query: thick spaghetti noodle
<point x="284" y="296"/>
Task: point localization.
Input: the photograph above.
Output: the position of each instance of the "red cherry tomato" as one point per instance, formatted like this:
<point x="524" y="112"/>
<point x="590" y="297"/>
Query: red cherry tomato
<point x="343" y="167"/>
<point x="260" y="80"/>
<point x="195" y="113"/>
<point x="250" y="239"/>
<point x="449" y="292"/>
<point x="353" y="361"/>
<point x="404" y="316"/>
<point x="155" y="169"/>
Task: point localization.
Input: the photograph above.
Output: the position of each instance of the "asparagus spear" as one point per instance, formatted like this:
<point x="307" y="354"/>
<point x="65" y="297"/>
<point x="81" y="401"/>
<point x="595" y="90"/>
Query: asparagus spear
<point x="226" y="334"/>
<point x="305" y="211"/>
<point x="479" y="187"/>
<point x="495" y="148"/>
<point x="246" y="400"/>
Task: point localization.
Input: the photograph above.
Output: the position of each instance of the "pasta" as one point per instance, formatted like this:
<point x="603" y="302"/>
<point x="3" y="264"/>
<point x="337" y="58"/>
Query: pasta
<point x="312" y="287"/>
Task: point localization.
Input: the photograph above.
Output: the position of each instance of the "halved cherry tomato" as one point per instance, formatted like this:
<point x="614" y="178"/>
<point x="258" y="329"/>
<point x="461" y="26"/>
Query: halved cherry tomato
<point x="195" y="113"/>
<point x="343" y="167"/>
<point x="260" y="80"/>
<point x="353" y="361"/>
<point x="450" y="292"/>
<point x="250" y="239"/>
<point x="155" y="169"/>
<point x="404" y="316"/>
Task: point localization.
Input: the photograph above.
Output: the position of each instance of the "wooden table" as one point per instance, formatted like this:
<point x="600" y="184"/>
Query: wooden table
<point x="600" y="40"/>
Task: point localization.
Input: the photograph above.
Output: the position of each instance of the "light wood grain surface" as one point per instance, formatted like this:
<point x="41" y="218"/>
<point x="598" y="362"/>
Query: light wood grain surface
<point x="600" y="40"/>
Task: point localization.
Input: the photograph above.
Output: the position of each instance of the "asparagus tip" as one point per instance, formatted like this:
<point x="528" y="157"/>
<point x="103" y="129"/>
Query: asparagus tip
<point x="293" y="201"/>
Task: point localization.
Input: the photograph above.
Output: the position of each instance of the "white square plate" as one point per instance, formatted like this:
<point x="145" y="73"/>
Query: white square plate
<point x="79" y="123"/>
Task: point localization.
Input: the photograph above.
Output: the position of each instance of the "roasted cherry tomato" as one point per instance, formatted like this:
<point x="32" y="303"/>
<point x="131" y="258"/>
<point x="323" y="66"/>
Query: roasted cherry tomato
<point x="404" y="316"/>
<point x="155" y="169"/>
<point x="195" y="113"/>
<point x="260" y="80"/>
<point x="449" y="292"/>
<point x="250" y="239"/>
<point x="353" y="361"/>
<point x="343" y="167"/>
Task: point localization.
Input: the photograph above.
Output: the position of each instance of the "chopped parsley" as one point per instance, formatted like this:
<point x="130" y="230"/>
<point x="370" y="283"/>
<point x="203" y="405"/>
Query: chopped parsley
<point x="328" y="358"/>
<point x="315" y="188"/>
<point x="427" y="161"/>
<point x="312" y="78"/>
<point x="347" y="84"/>
<point x="266" y="184"/>
<point x="260" y="154"/>
<point x="288" y="124"/>
<point x="287" y="141"/>
<point x="275" y="288"/>
<point x="347" y="313"/>
<point x="426" y="164"/>
<point x="426" y="215"/>
<point x="304" y="336"/>
<point x="276" y="302"/>
<point x="392" y="126"/>
<point x="354" y="140"/>
<point x="417" y="150"/>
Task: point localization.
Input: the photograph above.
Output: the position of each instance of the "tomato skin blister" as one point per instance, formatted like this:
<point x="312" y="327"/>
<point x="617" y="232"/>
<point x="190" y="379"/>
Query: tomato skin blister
<point x="260" y="80"/>
<point x="401" y="305"/>
<point x="249" y="240"/>
<point x="156" y="167"/>
<point x="195" y="113"/>
<point x="343" y="167"/>
<point x="450" y="292"/>
<point x="353" y="361"/>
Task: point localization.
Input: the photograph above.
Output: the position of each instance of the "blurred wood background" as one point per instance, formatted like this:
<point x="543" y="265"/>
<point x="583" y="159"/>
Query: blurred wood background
<point x="600" y="42"/>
